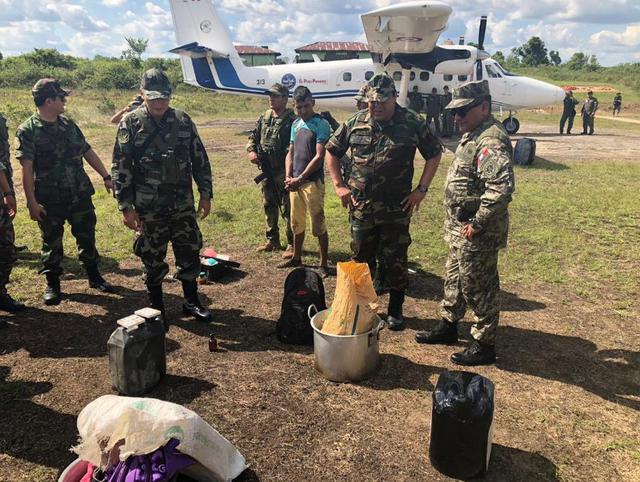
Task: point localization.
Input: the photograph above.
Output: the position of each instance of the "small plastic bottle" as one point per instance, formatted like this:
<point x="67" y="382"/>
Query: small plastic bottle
<point x="213" y="343"/>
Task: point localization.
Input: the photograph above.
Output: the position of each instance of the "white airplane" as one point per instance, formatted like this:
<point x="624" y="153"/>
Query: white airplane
<point x="402" y="41"/>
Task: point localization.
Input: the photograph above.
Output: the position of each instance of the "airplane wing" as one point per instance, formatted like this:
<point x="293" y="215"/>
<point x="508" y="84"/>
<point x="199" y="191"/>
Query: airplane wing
<point x="407" y="28"/>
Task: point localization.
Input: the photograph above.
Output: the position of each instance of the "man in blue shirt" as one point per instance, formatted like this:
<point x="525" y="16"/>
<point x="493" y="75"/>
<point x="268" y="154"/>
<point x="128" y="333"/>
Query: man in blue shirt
<point x="304" y="178"/>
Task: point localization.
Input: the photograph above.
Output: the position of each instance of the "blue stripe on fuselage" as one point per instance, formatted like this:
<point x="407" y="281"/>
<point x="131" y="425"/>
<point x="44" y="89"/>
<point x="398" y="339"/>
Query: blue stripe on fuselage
<point x="229" y="78"/>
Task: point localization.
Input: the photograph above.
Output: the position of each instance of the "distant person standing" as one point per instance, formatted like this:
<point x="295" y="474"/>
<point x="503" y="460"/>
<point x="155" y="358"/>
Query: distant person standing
<point x="568" y="111"/>
<point x="304" y="178"/>
<point x="617" y="103"/>
<point x="447" y="118"/>
<point x="416" y="102"/>
<point x="51" y="149"/>
<point x="589" y="108"/>
<point x="433" y="110"/>
<point x="8" y="209"/>
<point x="130" y="107"/>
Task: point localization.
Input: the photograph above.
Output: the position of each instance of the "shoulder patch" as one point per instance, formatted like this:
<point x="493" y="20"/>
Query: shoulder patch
<point x="123" y="136"/>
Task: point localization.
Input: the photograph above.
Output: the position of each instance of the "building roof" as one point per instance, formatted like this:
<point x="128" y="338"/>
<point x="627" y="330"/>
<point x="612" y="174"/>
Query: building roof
<point x="334" y="47"/>
<point x="253" y="50"/>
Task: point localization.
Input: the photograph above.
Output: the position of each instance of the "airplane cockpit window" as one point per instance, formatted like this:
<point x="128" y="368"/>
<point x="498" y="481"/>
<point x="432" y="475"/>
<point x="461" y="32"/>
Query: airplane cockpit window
<point x="368" y="74"/>
<point x="505" y="72"/>
<point x="397" y="75"/>
<point x="493" y="71"/>
<point x="424" y="76"/>
<point x="462" y="78"/>
<point x="346" y="76"/>
<point x="448" y="77"/>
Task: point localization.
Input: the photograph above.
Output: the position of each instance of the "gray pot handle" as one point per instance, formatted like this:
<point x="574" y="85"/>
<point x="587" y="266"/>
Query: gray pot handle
<point x="309" y="311"/>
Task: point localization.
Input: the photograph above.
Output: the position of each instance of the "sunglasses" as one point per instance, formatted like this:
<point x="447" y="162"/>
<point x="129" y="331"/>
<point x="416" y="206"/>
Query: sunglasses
<point x="463" y="111"/>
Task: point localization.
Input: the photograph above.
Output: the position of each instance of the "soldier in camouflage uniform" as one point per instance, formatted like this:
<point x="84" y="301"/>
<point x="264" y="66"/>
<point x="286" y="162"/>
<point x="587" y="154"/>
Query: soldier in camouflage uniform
<point x="8" y="211"/>
<point x="383" y="142"/>
<point x="433" y="110"/>
<point x="447" y="118"/>
<point x="272" y="132"/>
<point x="478" y="189"/>
<point x="156" y="155"/>
<point x="50" y="148"/>
<point x="589" y="108"/>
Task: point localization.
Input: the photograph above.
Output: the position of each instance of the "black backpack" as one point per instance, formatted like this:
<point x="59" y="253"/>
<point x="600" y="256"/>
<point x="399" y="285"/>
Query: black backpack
<point x="302" y="288"/>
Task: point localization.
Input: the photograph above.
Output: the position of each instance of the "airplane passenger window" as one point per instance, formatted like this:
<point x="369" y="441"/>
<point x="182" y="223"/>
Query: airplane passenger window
<point x="412" y="76"/>
<point x="448" y="78"/>
<point x="424" y="76"/>
<point x="462" y="78"/>
<point x="397" y="75"/>
<point x="346" y="76"/>
<point x="368" y="74"/>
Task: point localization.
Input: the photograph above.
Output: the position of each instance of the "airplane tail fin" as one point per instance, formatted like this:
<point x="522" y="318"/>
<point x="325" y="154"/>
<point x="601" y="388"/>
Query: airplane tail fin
<point x="200" y="33"/>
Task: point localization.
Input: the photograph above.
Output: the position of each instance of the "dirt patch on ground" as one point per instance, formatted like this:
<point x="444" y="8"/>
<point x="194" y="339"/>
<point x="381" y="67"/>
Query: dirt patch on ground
<point x="586" y="88"/>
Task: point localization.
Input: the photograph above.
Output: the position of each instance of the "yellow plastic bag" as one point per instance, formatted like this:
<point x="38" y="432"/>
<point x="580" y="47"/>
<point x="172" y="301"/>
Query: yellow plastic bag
<point x="355" y="304"/>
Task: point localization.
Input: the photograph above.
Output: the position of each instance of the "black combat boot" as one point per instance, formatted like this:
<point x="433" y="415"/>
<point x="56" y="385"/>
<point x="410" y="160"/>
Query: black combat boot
<point x="97" y="281"/>
<point x="444" y="332"/>
<point x="8" y="304"/>
<point x="52" y="295"/>
<point x="395" y="320"/>
<point x="155" y="297"/>
<point x="191" y="305"/>
<point x="476" y="354"/>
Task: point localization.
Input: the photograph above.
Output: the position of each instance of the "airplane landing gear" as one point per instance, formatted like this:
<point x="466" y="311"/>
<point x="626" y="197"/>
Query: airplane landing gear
<point x="511" y="124"/>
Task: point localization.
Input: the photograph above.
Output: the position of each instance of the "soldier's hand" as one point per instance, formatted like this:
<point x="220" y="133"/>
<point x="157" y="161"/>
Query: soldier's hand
<point x="253" y="157"/>
<point x="344" y="193"/>
<point x="469" y="232"/>
<point x="37" y="212"/>
<point x="108" y="185"/>
<point x="412" y="202"/>
<point x="131" y="219"/>
<point x="204" y="207"/>
<point x="12" y="208"/>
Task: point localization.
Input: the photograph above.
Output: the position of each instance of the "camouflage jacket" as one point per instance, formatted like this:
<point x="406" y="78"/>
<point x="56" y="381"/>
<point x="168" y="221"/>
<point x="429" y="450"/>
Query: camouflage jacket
<point x="590" y="106"/>
<point x="5" y="162"/>
<point x="479" y="186"/>
<point x="273" y="134"/>
<point x="56" y="149"/>
<point x="161" y="176"/>
<point x="382" y="171"/>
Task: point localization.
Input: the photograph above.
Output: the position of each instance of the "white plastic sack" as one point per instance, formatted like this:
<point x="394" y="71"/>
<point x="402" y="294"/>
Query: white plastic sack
<point x="146" y="424"/>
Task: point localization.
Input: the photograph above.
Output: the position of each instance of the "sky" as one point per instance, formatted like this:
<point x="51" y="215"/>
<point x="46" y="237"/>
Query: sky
<point x="609" y="29"/>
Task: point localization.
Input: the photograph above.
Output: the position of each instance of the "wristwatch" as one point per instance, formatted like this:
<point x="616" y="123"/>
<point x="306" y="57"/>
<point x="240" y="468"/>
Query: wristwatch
<point x="107" y="177"/>
<point x="422" y="189"/>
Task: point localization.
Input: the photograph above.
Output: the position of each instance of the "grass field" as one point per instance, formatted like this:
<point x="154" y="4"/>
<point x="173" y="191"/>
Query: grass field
<point x="569" y="371"/>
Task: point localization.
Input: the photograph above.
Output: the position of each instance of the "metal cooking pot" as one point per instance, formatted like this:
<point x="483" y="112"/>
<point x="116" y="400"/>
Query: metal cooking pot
<point x="345" y="358"/>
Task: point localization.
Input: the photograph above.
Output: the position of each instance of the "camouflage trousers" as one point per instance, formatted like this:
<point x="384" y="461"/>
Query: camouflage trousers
<point x="567" y="117"/>
<point x="587" y="124"/>
<point x="436" y="123"/>
<point x="272" y="212"/>
<point x="81" y="215"/>
<point x="388" y="241"/>
<point x="7" y="249"/>
<point x="447" y="123"/>
<point x="472" y="279"/>
<point x="158" y="228"/>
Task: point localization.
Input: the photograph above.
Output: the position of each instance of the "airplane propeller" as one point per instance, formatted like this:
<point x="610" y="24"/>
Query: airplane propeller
<point x="482" y="54"/>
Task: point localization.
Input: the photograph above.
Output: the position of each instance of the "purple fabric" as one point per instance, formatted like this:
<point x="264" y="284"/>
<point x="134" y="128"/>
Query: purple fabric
<point x="159" y="466"/>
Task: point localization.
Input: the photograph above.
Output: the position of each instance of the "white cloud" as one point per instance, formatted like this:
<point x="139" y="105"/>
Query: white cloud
<point x="630" y="37"/>
<point x="76" y="17"/>
<point x="113" y="3"/>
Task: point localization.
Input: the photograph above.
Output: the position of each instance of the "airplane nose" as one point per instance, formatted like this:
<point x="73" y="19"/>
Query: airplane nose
<point x="559" y="95"/>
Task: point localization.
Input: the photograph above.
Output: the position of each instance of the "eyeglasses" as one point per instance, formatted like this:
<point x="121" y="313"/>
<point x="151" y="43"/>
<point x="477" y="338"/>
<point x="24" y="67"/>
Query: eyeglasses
<point x="463" y="111"/>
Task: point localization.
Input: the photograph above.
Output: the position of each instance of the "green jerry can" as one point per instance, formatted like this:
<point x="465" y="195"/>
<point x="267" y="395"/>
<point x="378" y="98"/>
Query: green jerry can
<point x="137" y="352"/>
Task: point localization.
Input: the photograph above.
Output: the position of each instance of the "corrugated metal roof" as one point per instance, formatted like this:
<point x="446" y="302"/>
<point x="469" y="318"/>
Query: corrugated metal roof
<point x="334" y="47"/>
<point x="253" y="50"/>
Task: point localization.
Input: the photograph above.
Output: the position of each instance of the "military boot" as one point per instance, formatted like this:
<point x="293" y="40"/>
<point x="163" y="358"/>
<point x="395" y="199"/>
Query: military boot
<point x="191" y="305"/>
<point x="52" y="295"/>
<point x="8" y="304"/>
<point x="395" y="320"/>
<point x="97" y="281"/>
<point x="155" y="298"/>
<point x="476" y="354"/>
<point x="444" y="332"/>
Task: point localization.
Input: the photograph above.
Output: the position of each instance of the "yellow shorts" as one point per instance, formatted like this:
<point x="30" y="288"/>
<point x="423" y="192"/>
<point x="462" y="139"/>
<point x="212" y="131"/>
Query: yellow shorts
<point x="309" y="197"/>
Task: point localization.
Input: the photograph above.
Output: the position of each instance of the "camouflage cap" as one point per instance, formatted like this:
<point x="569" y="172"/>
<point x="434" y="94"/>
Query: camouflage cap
<point x="155" y="84"/>
<point x="361" y="96"/>
<point x="469" y="93"/>
<point x="381" y="88"/>
<point x="46" y="88"/>
<point x="278" y="89"/>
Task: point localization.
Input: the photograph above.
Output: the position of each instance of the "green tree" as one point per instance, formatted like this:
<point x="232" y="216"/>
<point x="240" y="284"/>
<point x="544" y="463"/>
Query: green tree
<point x="499" y="57"/>
<point x="50" y="58"/>
<point x="578" y="61"/>
<point x="554" y="56"/>
<point x="533" y="53"/>
<point x="137" y="47"/>
<point x="593" y="64"/>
